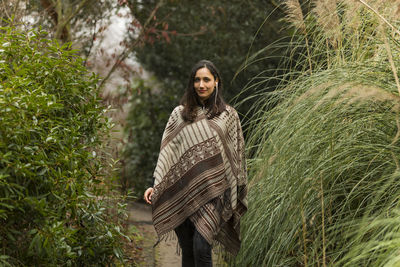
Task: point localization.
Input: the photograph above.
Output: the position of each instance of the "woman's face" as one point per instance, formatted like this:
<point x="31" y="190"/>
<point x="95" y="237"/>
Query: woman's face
<point x="204" y="83"/>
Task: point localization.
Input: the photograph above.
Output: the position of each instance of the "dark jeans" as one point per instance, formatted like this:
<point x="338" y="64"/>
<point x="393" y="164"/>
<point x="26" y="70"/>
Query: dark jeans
<point x="196" y="252"/>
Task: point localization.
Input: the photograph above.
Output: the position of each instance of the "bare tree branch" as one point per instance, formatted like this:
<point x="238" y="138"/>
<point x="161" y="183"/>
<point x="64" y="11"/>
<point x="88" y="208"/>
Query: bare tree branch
<point x="76" y="11"/>
<point x="9" y="11"/>
<point x="125" y="53"/>
<point x="64" y="18"/>
<point x="91" y="43"/>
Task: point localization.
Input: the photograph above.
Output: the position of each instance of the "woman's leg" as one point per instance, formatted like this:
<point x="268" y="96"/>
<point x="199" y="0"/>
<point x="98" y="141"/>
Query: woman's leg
<point x="201" y="250"/>
<point x="185" y="233"/>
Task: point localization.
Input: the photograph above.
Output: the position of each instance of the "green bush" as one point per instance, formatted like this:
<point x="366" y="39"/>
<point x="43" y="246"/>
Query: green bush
<point x="148" y="115"/>
<point x="51" y="125"/>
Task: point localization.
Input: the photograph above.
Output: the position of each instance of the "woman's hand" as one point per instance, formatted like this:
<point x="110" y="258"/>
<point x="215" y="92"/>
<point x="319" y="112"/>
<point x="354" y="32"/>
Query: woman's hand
<point x="148" y="194"/>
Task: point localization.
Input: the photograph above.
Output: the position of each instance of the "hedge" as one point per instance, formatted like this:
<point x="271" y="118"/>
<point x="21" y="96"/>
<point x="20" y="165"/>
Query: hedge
<point x="51" y="125"/>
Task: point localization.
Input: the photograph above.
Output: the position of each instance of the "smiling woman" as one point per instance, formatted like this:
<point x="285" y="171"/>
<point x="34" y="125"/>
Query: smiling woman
<point x="205" y="90"/>
<point x="204" y="83"/>
<point x="200" y="178"/>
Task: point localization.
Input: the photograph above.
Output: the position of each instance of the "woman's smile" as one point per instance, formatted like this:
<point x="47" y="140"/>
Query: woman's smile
<point x="204" y="83"/>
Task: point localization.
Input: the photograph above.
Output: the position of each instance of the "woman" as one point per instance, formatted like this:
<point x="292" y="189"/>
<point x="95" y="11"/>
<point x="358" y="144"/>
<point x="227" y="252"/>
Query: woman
<point x="200" y="178"/>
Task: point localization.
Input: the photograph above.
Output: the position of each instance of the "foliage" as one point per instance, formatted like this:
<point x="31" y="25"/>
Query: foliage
<point x="324" y="186"/>
<point x="182" y="33"/>
<point x="69" y="19"/>
<point x="52" y="209"/>
<point x="148" y="107"/>
<point x="221" y="31"/>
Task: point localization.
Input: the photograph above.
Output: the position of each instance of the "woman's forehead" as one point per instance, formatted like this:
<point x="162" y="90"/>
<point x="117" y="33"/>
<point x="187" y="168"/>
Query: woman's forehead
<point x="203" y="72"/>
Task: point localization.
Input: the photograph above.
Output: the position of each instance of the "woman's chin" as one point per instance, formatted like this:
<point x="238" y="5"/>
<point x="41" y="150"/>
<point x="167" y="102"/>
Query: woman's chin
<point x="203" y="97"/>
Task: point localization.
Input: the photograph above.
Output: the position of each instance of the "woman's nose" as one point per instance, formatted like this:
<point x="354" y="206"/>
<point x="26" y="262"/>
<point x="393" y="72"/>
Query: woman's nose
<point x="201" y="83"/>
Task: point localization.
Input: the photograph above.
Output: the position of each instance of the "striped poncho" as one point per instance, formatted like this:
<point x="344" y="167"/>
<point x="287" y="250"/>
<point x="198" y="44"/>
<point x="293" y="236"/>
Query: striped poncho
<point x="201" y="175"/>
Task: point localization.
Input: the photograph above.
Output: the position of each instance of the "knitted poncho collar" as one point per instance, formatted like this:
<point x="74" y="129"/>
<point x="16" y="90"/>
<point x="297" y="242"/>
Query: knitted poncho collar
<point x="200" y="175"/>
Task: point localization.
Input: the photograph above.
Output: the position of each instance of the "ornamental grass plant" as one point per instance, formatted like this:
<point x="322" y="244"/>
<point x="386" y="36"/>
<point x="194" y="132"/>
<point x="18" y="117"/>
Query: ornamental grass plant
<point x="325" y="148"/>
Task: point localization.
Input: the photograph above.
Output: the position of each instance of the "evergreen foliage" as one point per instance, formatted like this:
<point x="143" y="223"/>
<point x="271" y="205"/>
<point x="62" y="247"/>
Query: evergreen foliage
<point x="324" y="187"/>
<point x="221" y="31"/>
<point x="146" y="121"/>
<point x="186" y="32"/>
<point x="52" y="211"/>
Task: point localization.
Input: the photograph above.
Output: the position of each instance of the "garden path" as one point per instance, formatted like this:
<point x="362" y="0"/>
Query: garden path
<point x="164" y="254"/>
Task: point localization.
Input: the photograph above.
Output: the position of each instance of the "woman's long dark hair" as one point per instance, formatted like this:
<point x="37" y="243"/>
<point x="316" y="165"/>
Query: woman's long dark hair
<point x="215" y="104"/>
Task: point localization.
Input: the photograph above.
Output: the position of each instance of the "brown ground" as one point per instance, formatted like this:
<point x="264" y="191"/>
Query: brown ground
<point x="164" y="254"/>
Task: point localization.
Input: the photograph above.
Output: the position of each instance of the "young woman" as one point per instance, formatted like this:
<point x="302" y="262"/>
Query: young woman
<point x="200" y="178"/>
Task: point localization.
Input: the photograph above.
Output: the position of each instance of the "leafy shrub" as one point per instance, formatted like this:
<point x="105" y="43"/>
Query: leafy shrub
<point x="146" y="121"/>
<point x="51" y="125"/>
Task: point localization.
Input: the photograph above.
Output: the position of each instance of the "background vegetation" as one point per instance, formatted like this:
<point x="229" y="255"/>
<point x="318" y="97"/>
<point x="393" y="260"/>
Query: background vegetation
<point x="63" y="18"/>
<point x="225" y="32"/>
<point x="323" y="147"/>
<point x="54" y="199"/>
<point x="324" y="186"/>
<point x="149" y="109"/>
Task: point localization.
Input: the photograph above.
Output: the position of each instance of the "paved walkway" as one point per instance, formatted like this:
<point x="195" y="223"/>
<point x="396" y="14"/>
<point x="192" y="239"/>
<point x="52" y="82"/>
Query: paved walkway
<point x="164" y="254"/>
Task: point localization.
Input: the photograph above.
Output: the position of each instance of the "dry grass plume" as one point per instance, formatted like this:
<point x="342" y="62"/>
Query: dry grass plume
<point x="295" y="15"/>
<point x="327" y="17"/>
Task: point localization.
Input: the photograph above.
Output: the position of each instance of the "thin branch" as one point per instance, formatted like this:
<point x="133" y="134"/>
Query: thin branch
<point x="125" y="53"/>
<point x="16" y="8"/>
<point x="91" y="43"/>
<point x="5" y="11"/>
<point x="62" y="22"/>
<point x="73" y="14"/>
<point x="152" y="14"/>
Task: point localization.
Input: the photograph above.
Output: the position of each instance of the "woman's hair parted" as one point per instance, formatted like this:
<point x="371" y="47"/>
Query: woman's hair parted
<point x="215" y="104"/>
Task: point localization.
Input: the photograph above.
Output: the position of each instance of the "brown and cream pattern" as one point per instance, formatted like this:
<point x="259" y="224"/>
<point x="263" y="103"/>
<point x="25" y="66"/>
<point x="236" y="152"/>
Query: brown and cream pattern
<point x="201" y="175"/>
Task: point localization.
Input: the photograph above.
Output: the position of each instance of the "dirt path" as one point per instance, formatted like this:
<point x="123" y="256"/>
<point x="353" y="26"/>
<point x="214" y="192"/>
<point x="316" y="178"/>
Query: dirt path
<point x="164" y="254"/>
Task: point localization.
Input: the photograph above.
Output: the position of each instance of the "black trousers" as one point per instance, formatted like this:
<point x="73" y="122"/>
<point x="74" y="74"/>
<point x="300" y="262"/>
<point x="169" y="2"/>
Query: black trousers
<point x="196" y="252"/>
